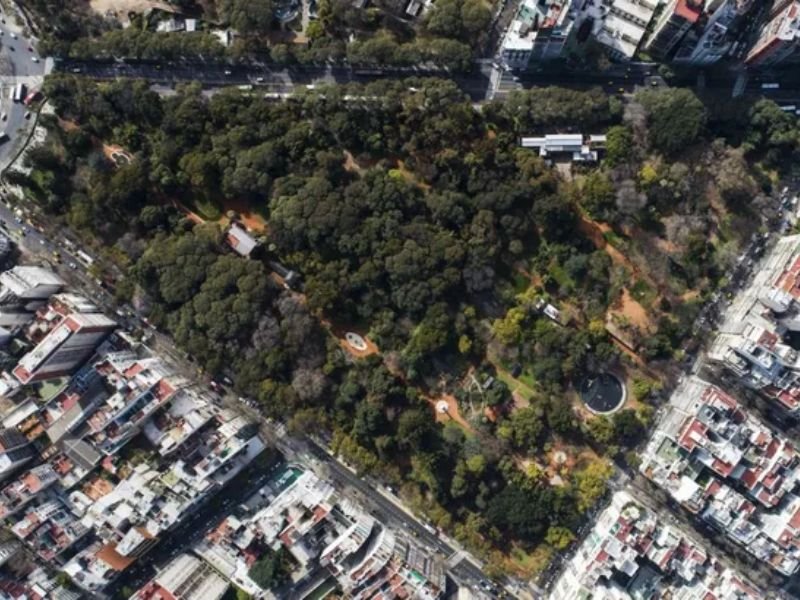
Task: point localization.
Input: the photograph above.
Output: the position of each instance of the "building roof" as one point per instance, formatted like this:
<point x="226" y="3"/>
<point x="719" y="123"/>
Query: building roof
<point x="241" y="241"/>
<point x="116" y="561"/>
<point x="689" y="10"/>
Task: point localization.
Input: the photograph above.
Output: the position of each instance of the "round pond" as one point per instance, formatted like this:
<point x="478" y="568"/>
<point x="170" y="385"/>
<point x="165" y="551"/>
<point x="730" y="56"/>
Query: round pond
<point x="602" y="393"/>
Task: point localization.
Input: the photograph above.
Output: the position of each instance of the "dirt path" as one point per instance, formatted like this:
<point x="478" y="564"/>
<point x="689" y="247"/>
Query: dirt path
<point x="595" y="232"/>
<point x="634" y="312"/>
<point x="251" y="219"/>
<point x="452" y="414"/>
<point x="121" y="8"/>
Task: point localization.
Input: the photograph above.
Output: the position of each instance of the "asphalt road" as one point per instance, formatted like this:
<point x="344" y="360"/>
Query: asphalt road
<point x="367" y="493"/>
<point x="16" y="61"/>
<point x="38" y="246"/>
<point x="288" y="80"/>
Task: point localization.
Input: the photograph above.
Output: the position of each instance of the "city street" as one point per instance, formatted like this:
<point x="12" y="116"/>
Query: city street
<point x="482" y="83"/>
<point x="17" y="65"/>
<point x="381" y="505"/>
<point x="477" y="83"/>
<point x="39" y="247"/>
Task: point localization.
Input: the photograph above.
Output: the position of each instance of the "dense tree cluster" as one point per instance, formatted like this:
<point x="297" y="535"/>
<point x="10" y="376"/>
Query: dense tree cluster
<point x="675" y="118"/>
<point x="418" y="219"/>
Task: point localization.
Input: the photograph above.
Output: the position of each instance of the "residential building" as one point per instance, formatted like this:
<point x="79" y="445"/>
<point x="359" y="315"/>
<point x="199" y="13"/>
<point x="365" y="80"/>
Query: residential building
<point x="758" y="341"/>
<point x="239" y="240"/>
<point x="779" y="38"/>
<point x="22" y="491"/>
<point x="617" y="25"/>
<point x="15" y="451"/>
<point x="24" y="284"/>
<point x="131" y="516"/>
<point x="186" y="577"/>
<point x="73" y="404"/>
<point x="23" y="290"/>
<point x="100" y="563"/>
<point x="725" y="466"/>
<point x="283" y="512"/>
<point x="538" y="32"/>
<point x="38" y="584"/>
<point x="302" y="514"/>
<point x="577" y="147"/>
<point x="65" y="347"/>
<point x="674" y="22"/>
<point x="171" y="426"/>
<point x="50" y="529"/>
<point x="716" y="40"/>
<point x="136" y="388"/>
<point x="632" y="553"/>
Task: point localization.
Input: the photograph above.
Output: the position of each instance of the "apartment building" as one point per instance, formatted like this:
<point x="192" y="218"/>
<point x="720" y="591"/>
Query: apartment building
<point x="538" y="32"/>
<point x="50" y="529"/>
<point x="676" y="19"/>
<point x="302" y="514"/>
<point x="757" y="341"/>
<point x="779" y="38"/>
<point x="632" y="553"/>
<point x="15" y="451"/>
<point x="724" y="465"/>
<point x="715" y="41"/>
<point x="185" y="577"/>
<point x="618" y="25"/>
<point x="24" y="285"/>
<point x="65" y="347"/>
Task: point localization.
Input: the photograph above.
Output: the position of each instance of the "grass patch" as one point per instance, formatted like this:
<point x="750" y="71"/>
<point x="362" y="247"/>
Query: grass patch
<point x="530" y="564"/>
<point x="208" y="209"/>
<point x="613" y="238"/>
<point x="560" y="276"/>
<point x="643" y="293"/>
<point x="516" y="385"/>
<point x="528" y="380"/>
<point x="521" y="283"/>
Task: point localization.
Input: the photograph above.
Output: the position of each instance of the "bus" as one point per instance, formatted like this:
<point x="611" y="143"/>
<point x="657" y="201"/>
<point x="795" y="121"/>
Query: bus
<point x="84" y="258"/>
<point x="19" y="91"/>
<point x="770" y="86"/>
<point x="789" y="108"/>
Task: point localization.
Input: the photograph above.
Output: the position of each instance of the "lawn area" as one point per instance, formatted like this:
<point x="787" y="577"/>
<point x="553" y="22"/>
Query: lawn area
<point x="207" y="209"/>
<point x="529" y="564"/>
<point x="560" y="276"/>
<point x="518" y="386"/>
<point x="643" y="293"/>
<point x="521" y="282"/>
<point x="50" y="388"/>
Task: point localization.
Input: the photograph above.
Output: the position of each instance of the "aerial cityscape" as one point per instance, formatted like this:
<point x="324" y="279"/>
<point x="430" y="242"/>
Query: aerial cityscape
<point x="417" y="299"/>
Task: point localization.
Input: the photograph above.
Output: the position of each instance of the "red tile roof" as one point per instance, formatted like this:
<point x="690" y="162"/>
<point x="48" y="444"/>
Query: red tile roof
<point x="695" y="427"/>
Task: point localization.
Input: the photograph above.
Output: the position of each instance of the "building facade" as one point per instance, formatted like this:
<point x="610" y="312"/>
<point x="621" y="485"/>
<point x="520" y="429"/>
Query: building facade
<point x="779" y="37"/>
<point x="65" y="348"/>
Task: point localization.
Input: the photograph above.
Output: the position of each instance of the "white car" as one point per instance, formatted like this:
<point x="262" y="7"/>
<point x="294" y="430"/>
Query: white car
<point x="13" y="36"/>
<point x="35" y="59"/>
<point x="4" y="117"/>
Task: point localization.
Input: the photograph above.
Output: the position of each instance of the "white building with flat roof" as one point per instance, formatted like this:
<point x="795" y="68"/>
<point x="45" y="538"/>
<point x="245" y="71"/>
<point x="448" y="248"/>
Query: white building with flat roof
<point x="578" y="147"/>
<point x="185" y="577"/>
<point x="24" y="283"/>
<point x="618" y="25"/>
<point x="539" y="31"/>
<point x="65" y="348"/>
